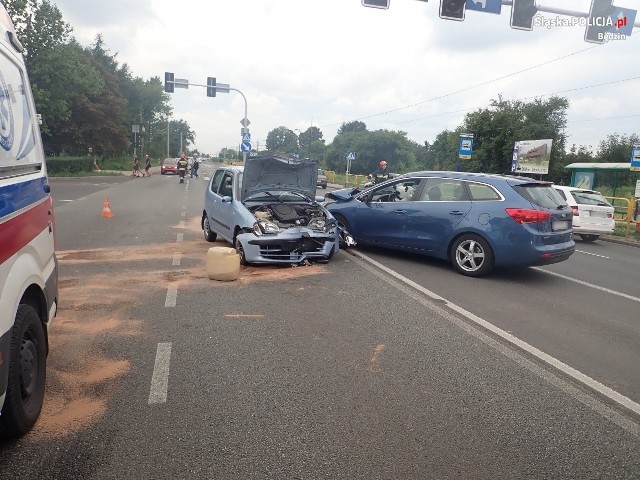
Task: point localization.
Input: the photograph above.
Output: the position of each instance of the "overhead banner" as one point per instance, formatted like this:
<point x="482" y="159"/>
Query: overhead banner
<point x="532" y="156"/>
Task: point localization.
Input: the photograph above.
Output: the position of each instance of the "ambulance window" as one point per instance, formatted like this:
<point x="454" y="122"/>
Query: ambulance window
<point x="18" y="147"/>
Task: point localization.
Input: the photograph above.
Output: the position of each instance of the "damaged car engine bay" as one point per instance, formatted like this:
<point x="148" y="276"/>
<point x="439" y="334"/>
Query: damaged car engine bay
<point x="286" y="215"/>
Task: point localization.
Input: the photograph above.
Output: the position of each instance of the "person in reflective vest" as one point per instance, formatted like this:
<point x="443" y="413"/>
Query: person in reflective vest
<point x="381" y="174"/>
<point x="183" y="164"/>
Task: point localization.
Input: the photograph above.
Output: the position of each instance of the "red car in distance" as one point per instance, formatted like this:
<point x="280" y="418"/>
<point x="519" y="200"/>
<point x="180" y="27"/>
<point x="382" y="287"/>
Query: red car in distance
<point x="170" y="165"/>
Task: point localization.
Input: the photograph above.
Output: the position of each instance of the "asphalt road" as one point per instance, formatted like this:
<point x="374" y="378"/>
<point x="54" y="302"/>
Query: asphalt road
<point x="375" y="365"/>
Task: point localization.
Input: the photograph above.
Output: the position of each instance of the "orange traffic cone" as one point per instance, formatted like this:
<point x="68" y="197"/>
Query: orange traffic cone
<point x="106" y="209"/>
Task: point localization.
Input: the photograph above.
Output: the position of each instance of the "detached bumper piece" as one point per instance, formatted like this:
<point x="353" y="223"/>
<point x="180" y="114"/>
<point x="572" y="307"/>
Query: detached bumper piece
<point x="277" y="249"/>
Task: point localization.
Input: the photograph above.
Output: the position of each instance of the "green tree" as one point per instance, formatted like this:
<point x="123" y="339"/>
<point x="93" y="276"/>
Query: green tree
<point x="616" y="148"/>
<point x="370" y="148"/>
<point x="282" y="141"/>
<point x="39" y="26"/>
<point x="497" y="128"/>
<point x="355" y="126"/>
<point x="442" y="154"/>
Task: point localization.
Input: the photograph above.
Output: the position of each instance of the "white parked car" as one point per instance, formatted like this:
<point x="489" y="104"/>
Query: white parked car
<point x="592" y="213"/>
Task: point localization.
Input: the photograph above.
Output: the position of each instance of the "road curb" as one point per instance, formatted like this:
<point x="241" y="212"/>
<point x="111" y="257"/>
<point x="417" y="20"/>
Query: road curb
<point x="621" y="241"/>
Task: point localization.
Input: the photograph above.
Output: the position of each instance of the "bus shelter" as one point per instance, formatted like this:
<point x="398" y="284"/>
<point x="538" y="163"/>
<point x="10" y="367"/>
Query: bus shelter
<point x="590" y="175"/>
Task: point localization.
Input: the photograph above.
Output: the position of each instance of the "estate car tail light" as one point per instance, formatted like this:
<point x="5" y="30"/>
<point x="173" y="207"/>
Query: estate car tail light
<point x="528" y="215"/>
<point x="575" y="210"/>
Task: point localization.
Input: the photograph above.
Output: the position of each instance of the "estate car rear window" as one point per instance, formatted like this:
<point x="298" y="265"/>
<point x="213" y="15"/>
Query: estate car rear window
<point x="542" y="195"/>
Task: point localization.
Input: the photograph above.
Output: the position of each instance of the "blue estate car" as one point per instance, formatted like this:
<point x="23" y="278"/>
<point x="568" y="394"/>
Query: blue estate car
<point x="475" y="220"/>
<point x="269" y="212"/>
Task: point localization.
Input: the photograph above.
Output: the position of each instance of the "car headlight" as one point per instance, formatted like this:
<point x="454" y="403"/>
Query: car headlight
<point x="317" y="223"/>
<point x="322" y="224"/>
<point x="263" y="226"/>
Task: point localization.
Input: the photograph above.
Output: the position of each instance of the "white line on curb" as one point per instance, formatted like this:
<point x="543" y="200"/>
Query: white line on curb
<point x="180" y="237"/>
<point x="176" y="258"/>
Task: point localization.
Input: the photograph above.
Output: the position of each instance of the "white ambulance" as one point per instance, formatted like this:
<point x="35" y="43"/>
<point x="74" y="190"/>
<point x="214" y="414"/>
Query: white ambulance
<point x="28" y="265"/>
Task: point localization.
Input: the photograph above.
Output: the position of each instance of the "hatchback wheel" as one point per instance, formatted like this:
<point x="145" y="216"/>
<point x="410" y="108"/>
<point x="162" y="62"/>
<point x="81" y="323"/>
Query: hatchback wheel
<point x="209" y="236"/>
<point x="240" y="251"/>
<point x="589" y="238"/>
<point x="471" y="255"/>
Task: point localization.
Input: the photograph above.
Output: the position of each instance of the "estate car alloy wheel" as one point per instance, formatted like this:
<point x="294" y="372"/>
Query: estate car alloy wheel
<point x="471" y="255"/>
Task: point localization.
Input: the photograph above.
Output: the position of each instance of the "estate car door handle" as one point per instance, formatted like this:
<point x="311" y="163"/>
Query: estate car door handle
<point x="400" y="212"/>
<point x="456" y="212"/>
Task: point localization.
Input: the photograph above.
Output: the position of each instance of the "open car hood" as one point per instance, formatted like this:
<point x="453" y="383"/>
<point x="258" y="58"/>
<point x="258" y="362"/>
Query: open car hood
<point x="263" y="174"/>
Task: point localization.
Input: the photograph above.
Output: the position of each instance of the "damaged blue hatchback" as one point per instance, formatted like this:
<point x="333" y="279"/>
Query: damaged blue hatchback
<point x="269" y="212"/>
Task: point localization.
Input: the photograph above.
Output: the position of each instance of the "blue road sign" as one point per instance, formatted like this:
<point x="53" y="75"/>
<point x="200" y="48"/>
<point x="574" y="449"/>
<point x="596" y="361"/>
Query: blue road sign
<point x="246" y="137"/>
<point x="635" y="157"/>
<point x="487" y="6"/>
<point x="245" y="147"/>
<point x="466" y="146"/>
<point x="514" y="160"/>
<point x="351" y="155"/>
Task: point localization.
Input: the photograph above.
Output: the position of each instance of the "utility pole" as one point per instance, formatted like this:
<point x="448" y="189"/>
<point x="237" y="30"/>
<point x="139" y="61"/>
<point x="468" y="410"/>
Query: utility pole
<point x="141" y="134"/>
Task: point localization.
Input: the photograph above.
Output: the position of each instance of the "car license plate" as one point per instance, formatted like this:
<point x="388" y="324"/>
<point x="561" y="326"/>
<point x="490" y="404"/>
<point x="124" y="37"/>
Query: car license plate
<point x="561" y="225"/>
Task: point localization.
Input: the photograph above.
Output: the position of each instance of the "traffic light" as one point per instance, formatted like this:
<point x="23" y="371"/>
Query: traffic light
<point x="168" y="82"/>
<point x="211" y="87"/>
<point x="522" y="13"/>
<point x="376" y="3"/>
<point x="599" y="21"/>
<point x="452" y="9"/>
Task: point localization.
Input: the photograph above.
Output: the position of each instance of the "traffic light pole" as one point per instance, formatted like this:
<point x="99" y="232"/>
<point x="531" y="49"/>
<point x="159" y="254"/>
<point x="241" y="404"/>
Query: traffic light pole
<point x="219" y="87"/>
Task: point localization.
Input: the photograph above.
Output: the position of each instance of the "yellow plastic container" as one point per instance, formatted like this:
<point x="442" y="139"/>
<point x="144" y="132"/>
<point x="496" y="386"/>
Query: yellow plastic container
<point x="223" y="263"/>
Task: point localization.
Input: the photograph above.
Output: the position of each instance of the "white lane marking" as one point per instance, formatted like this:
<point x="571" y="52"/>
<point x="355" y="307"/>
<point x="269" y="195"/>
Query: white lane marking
<point x="592" y="254"/>
<point x="548" y="359"/>
<point x="160" y="378"/>
<point x="176" y="258"/>
<point x="180" y="237"/>
<point x="64" y="200"/>
<point x="172" y="296"/>
<point x="181" y="224"/>
<point x="590" y="285"/>
<point x="206" y="178"/>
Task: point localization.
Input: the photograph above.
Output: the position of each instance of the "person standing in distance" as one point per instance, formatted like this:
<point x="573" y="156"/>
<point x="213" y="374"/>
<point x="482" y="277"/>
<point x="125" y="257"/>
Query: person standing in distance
<point x="194" y="168"/>
<point x="135" y="172"/>
<point x="147" y="166"/>
<point x="381" y="174"/>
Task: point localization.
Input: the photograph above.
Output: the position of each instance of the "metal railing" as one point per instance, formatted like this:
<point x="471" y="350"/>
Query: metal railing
<point x="625" y="212"/>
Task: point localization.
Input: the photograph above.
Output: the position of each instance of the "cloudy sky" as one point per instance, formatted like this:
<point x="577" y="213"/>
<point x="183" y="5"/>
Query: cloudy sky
<point x="324" y="62"/>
